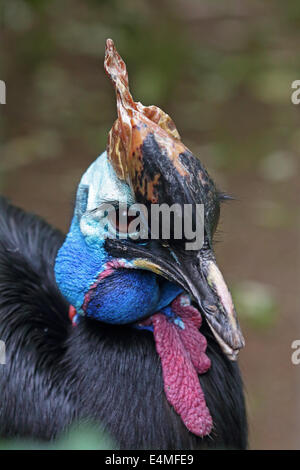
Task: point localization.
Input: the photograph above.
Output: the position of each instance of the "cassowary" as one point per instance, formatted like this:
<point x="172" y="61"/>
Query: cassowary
<point x="108" y="329"/>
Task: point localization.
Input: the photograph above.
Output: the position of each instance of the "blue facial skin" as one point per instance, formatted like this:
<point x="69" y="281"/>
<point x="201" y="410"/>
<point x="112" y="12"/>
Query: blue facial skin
<point x="125" y="296"/>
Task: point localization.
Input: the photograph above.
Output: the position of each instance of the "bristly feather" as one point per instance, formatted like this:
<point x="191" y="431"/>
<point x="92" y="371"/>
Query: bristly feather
<point x="56" y="374"/>
<point x="223" y="197"/>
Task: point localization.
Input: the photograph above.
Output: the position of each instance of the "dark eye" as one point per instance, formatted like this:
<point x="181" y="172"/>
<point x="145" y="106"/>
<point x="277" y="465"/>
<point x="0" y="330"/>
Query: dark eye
<point x="120" y="221"/>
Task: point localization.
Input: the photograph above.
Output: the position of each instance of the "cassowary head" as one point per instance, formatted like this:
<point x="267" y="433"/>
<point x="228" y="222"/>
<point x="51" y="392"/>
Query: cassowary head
<point x="109" y="268"/>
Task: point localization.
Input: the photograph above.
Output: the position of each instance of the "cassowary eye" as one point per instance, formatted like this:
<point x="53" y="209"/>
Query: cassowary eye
<point x="120" y="221"/>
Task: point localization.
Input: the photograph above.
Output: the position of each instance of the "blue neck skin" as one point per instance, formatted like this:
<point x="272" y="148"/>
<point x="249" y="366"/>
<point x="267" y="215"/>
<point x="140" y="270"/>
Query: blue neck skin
<point x="126" y="295"/>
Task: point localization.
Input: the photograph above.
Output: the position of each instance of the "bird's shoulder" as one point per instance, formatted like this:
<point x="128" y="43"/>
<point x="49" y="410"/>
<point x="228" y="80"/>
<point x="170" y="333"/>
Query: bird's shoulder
<point x="29" y="297"/>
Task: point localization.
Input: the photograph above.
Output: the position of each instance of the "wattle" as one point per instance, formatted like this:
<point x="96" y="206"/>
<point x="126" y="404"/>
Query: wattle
<point x="181" y="348"/>
<point x="182" y="351"/>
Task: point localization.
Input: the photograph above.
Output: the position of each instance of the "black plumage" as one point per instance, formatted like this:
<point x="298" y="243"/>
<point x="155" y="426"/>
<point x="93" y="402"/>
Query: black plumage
<point x="56" y="375"/>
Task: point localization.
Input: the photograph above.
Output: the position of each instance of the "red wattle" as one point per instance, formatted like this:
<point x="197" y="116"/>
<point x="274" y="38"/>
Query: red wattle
<point x="182" y="354"/>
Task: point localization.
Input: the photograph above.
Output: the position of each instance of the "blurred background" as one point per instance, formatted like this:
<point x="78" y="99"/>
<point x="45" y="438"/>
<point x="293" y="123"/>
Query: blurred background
<point x="223" y="71"/>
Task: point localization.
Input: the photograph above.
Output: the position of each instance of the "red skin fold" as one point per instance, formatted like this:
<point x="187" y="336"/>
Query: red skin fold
<point x="182" y="354"/>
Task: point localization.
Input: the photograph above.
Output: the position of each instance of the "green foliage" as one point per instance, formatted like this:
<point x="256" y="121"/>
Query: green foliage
<point x="82" y="437"/>
<point x="256" y="304"/>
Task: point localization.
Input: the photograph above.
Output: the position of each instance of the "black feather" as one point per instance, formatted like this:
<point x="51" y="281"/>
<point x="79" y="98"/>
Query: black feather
<point x="56" y="374"/>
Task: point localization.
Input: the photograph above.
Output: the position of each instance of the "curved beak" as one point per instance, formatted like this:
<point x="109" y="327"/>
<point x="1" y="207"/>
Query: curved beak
<point x="206" y="284"/>
<point x="198" y="274"/>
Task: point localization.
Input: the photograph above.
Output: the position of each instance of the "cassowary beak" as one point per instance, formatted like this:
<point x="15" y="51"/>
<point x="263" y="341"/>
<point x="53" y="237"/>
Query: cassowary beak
<point x="145" y="150"/>
<point x="219" y="311"/>
<point x="204" y="282"/>
<point x="199" y="276"/>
